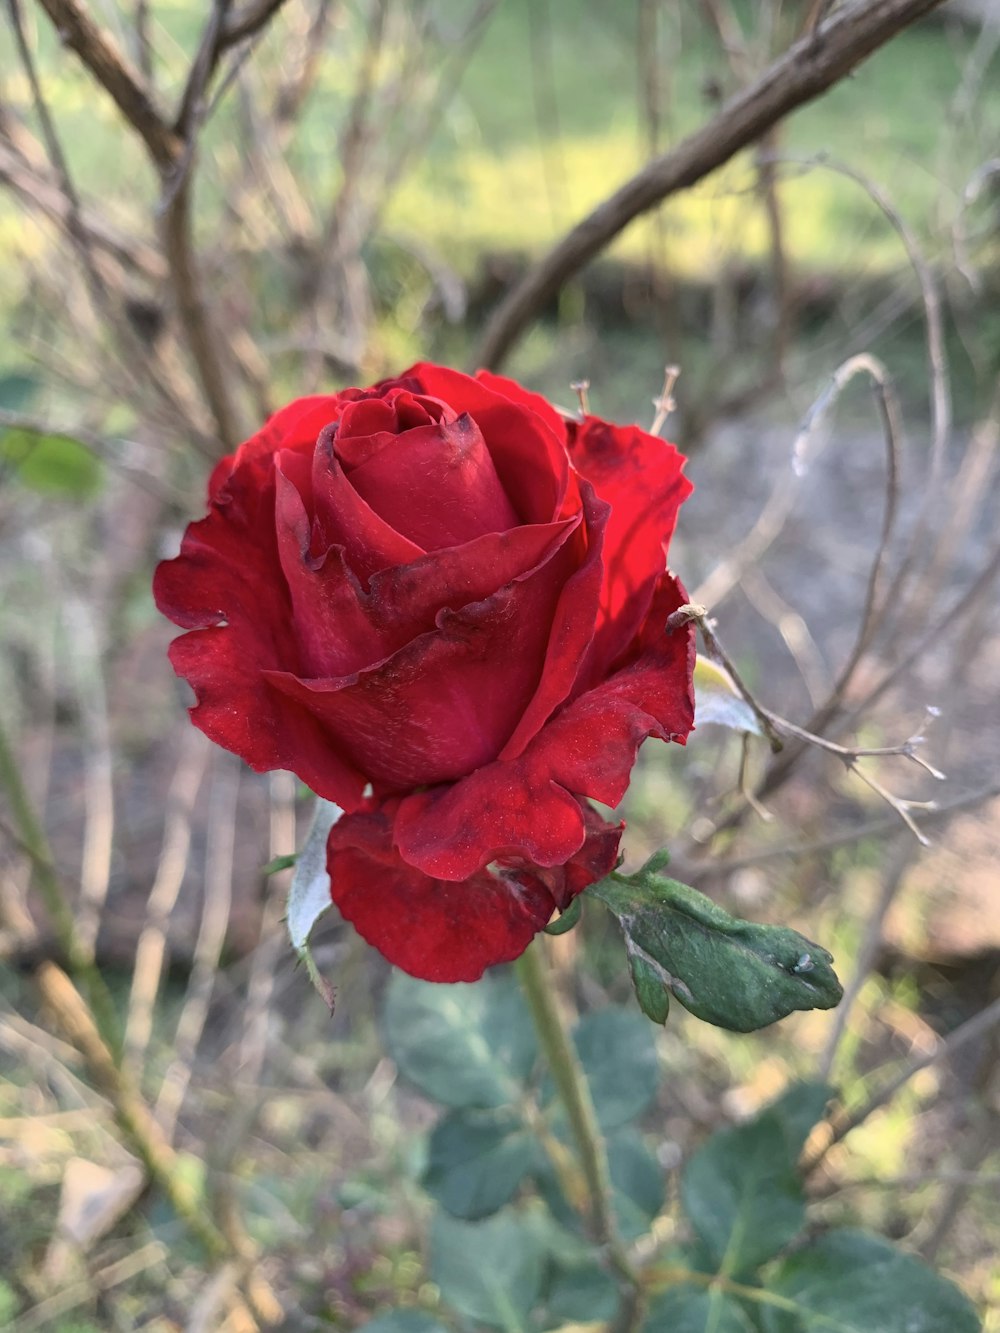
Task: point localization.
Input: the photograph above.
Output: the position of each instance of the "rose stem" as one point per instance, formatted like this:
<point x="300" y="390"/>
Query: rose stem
<point x="535" y="976"/>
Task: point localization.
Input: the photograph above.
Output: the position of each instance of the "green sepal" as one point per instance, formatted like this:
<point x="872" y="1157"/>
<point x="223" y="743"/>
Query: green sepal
<point x="566" y="920"/>
<point x="647" y="979"/>
<point x="735" y="974"/>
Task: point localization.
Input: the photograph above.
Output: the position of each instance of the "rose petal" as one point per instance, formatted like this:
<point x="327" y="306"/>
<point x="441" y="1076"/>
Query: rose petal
<point x="641" y="477"/>
<point x="344" y="518"/>
<point x="388" y="409"/>
<point x="440" y="930"/>
<point x="449" y="700"/>
<point x="436" y="485"/>
<point x="532" y="402"/>
<point x="524" y="805"/>
<point x="296" y="426"/>
<point x="572" y="629"/>
<point x="529" y="457"/>
<point x="342" y="627"/>
<point x="223" y="586"/>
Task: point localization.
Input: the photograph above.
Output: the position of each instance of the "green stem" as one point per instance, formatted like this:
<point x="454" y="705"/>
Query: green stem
<point x="574" y="1093"/>
<point x="79" y="959"/>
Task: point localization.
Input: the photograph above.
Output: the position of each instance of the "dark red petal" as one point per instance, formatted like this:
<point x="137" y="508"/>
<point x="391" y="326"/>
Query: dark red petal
<point x="534" y="402"/>
<point x="529" y="456"/>
<point x="641" y="478"/>
<point x="591" y="746"/>
<point x="344" y="518"/>
<point x="296" y="426"/>
<point x="572" y="629"/>
<point x="433" y="929"/>
<point x="448" y="701"/>
<point x="436" y="485"/>
<point x="226" y="585"/>
<point x="505" y="810"/>
<point x="588" y="749"/>
<point x="342" y="627"/>
<point x="595" y="859"/>
<point x="238" y="711"/>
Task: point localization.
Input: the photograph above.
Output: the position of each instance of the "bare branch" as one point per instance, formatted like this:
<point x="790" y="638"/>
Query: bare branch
<point x="116" y="74"/>
<point x="841" y="1125"/>
<point x="249" y="21"/>
<point x="808" y="68"/>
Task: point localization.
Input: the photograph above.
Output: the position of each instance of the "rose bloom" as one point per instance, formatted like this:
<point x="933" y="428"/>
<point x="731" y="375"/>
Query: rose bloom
<point x="443" y="606"/>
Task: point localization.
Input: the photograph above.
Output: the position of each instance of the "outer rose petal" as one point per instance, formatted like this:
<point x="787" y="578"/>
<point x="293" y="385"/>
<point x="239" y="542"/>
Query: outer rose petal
<point x="524" y="805"/>
<point x="226" y="586"/>
<point x="641" y="478"/>
<point x="440" y="930"/>
<point x="296" y="426"/>
<point x="572" y="629"/>
<point x="532" y="402"/>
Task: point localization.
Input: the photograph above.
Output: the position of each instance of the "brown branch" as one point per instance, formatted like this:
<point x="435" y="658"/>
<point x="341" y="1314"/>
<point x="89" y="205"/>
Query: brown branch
<point x="203" y="342"/>
<point x="807" y="69"/>
<point x="116" y="74"/>
<point x="249" y="21"/>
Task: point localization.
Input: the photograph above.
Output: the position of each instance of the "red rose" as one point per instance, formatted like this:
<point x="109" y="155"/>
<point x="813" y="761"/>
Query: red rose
<point x="439" y="589"/>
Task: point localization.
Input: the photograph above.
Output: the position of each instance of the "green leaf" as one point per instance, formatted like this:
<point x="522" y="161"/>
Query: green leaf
<point x="717" y="700"/>
<point x="9" y="1304"/>
<point x="735" y="974"/>
<point x="691" y="1309"/>
<point x="637" y="1185"/>
<point x="52" y="464"/>
<point x="741" y="1189"/>
<point x="464" y="1045"/>
<point x="582" y="1295"/>
<point x="647" y="982"/>
<point x="618" y="1054"/>
<point x="798" y="1110"/>
<point x="742" y="1195"/>
<point x="852" y="1282"/>
<point x="17" y="391"/>
<point x="636" y="1182"/>
<point x="404" y="1321"/>
<point x="476" y="1160"/>
<point x="279" y="863"/>
<point x="489" y="1271"/>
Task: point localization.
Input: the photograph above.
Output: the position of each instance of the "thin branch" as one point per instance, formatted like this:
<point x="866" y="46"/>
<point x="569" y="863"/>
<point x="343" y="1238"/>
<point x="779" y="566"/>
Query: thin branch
<point x="971" y="1030"/>
<point x="874" y="828"/>
<point x="116" y="74"/>
<point x="151" y="950"/>
<point x="773" y="725"/>
<point x="143" y="43"/>
<point x="203" y="341"/>
<point x="808" y="68"/>
<point x="210" y="49"/>
<point x="893" y="874"/>
<point x="249" y="21"/>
